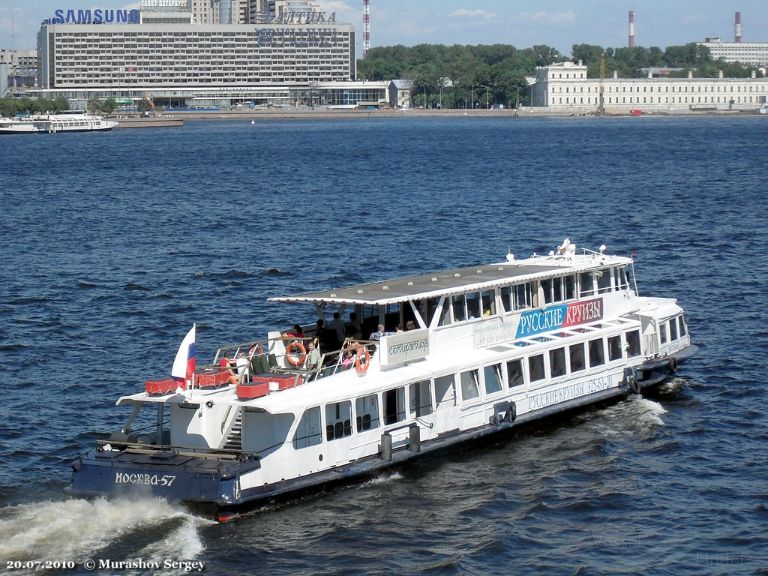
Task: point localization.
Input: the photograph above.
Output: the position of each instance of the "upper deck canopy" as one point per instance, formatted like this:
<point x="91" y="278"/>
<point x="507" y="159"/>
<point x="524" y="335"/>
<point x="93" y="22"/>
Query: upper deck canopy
<point x="446" y="282"/>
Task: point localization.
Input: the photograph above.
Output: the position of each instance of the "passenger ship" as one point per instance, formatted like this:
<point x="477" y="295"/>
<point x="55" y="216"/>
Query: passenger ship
<point x="70" y="121"/>
<point x="492" y="347"/>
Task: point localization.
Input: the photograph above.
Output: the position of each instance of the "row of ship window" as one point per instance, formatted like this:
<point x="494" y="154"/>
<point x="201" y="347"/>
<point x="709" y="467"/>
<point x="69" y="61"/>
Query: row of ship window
<point x="472" y="384"/>
<point x="533" y="294"/>
<point x="530" y="294"/>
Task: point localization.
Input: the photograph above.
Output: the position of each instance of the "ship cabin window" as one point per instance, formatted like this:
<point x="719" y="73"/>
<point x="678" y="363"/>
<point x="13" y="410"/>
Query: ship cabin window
<point x="546" y="288"/>
<point x="493" y="379"/>
<point x="536" y="368"/>
<point x="604" y="280"/>
<point x="683" y="329"/>
<point x="506" y="298"/>
<point x="633" y="343"/>
<point x="673" y="329"/>
<point x="557" y="362"/>
<point x="522" y="296"/>
<point x="420" y="399"/>
<point x="585" y="282"/>
<point x="576" y="356"/>
<point x="663" y="333"/>
<point x="614" y="348"/>
<point x="473" y="306"/>
<point x="309" y="431"/>
<point x="445" y="314"/>
<point x="596" y="352"/>
<point x="569" y="285"/>
<point x="469" y="385"/>
<point x="394" y="405"/>
<point x="622" y="281"/>
<point x="556" y="289"/>
<point x="338" y="420"/>
<point x="488" y="299"/>
<point x="445" y="391"/>
<point x="367" y="410"/>
<point x="515" y="373"/>
<point x="459" y="308"/>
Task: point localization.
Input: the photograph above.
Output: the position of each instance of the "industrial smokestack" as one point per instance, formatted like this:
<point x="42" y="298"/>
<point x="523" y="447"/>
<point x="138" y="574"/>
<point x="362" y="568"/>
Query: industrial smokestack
<point x="631" y="28"/>
<point x="737" y="27"/>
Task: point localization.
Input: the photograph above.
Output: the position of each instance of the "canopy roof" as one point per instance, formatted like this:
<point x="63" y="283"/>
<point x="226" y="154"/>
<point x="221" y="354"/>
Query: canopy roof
<point x="453" y="281"/>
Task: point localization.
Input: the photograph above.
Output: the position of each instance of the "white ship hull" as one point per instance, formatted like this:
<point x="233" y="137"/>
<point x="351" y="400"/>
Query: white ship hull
<point x="493" y="348"/>
<point x="55" y="123"/>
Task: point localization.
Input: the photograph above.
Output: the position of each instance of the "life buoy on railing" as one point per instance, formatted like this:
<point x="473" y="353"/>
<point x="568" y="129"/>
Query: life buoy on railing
<point x="672" y="365"/>
<point x="291" y="352"/>
<point x="362" y="359"/>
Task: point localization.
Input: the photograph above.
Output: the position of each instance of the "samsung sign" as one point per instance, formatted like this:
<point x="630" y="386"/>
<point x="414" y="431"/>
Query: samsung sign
<point x="96" y="16"/>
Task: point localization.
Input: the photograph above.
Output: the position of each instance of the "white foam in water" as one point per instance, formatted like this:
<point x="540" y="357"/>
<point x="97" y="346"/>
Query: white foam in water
<point x="649" y="411"/>
<point x="75" y="529"/>
<point x="383" y="479"/>
<point x="184" y="543"/>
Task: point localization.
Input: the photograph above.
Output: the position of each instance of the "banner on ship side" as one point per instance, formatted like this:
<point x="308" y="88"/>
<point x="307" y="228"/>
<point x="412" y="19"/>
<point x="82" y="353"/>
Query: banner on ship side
<point x="535" y="322"/>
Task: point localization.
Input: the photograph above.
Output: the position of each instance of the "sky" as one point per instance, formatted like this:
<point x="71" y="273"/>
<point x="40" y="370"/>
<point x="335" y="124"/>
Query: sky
<point x="522" y="23"/>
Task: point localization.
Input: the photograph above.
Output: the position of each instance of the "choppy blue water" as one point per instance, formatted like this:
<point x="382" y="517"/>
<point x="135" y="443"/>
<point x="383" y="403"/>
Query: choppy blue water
<point x="114" y="244"/>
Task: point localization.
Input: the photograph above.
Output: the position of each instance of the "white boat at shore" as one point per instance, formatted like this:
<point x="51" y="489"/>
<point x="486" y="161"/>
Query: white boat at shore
<point x="491" y="348"/>
<point x="70" y="121"/>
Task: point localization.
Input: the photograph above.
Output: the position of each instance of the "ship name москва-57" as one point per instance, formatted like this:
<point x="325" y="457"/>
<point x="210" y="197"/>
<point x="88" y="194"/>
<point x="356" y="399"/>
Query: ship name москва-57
<point x="492" y="347"/>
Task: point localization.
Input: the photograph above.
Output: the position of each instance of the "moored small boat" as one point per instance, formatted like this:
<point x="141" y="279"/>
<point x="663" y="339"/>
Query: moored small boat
<point x="71" y="121"/>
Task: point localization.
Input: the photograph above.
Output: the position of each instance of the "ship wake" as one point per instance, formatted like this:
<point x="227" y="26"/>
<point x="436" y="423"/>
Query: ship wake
<point x="80" y="530"/>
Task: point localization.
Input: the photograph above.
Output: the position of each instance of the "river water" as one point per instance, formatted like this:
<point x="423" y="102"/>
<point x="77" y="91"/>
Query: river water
<point x="114" y="244"/>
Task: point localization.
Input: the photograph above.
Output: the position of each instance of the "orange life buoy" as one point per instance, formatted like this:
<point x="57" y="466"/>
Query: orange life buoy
<point x="362" y="365"/>
<point x="293" y="348"/>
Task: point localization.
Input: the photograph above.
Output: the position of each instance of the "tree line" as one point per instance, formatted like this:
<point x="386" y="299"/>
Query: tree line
<point x="10" y="107"/>
<point x="486" y="75"/>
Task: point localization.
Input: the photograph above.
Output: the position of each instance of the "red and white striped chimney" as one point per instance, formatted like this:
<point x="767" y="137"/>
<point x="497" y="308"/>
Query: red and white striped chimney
<point x="737" y="27"/>
<point x="631" y="28"/>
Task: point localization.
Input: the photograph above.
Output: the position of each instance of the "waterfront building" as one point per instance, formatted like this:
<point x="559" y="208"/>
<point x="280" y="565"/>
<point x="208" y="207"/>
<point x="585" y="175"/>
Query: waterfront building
<point x="400" y="93"/>
<point x="749" y="53"/>
<point x="565" y="87"/>
<point x="20" y="68"/>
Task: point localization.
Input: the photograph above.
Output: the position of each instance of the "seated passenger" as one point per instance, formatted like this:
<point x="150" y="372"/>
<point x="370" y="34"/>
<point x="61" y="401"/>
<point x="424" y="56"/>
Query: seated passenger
<point x="379" y="334"/>
<point x="313" y="357"/>
<point x="410" y="325"/>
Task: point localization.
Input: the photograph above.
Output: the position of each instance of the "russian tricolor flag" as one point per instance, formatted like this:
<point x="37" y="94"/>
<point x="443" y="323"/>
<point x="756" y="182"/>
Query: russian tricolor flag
<point x="185" y="362"/>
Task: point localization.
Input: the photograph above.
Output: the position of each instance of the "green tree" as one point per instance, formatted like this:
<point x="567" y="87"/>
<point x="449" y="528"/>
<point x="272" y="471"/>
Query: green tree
<point x="109" y="105"/>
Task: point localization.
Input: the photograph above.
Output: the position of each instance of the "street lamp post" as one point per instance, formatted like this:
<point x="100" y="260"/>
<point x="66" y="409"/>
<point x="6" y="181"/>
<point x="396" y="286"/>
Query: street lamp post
<point x="472" y="97"/>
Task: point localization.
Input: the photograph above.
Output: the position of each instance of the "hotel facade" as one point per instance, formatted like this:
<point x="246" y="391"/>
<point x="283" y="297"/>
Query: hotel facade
<point x="296" y="57"/>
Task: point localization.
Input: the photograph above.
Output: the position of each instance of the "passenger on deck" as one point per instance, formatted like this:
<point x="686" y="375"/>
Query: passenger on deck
<point x="347" y="360"/>
<point x="313" y="357"/>
<point x="398" y="329"/>
<point x="327" y="338"/>
<point x="379" y="334"/>
<point x="410" y="325"/>
<point x="338" y="326"/>
<point x="295" y="332"/>
<point x="354" y="328"/>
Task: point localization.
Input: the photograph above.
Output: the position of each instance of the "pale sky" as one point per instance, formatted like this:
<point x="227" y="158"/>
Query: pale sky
<point x="522" y="23"/>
